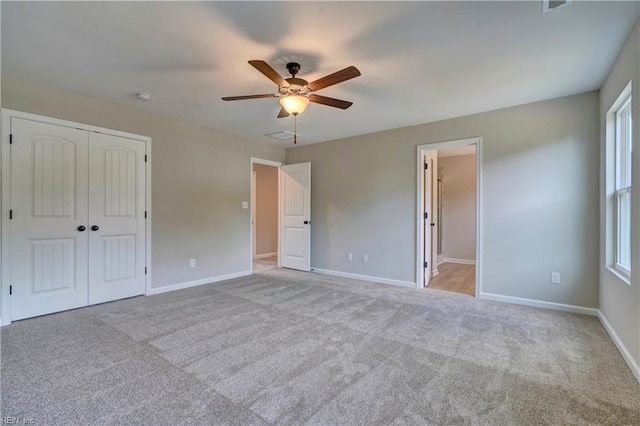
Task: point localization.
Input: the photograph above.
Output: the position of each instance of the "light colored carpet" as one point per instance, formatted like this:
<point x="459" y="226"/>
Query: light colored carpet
<point x="298" y="348"/>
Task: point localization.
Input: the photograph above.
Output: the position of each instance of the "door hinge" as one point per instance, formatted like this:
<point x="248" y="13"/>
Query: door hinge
<point x="426" y="166"/>
<point x="426" y="215"/>
<point x="10" y="290"/>
<point x="10" y="139"/>
<point x="426" y="264"/>
<point x="145" y="158"/>
<point x="10" y="214"/>
<point x="145" y="214"/>
<point x="145" y="270"/>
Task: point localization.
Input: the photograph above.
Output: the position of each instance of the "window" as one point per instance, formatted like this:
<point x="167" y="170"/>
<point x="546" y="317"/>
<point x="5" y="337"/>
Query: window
<point x="622" y="197"/>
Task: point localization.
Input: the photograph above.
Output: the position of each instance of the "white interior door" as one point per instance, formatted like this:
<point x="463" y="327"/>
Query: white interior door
<point x="435" y="214"/>
<point x="428" y="214"/>
<point x="49" y="210"/>
<point x="295" y="216"/>
<point x="117" y="218"/>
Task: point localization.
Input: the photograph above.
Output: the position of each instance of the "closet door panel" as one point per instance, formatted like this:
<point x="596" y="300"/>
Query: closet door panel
<point x="117" y="223"/>
<point x="49" y="175"/>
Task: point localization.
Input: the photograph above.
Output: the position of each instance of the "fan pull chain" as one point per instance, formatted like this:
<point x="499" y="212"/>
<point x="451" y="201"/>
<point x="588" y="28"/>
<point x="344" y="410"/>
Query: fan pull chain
<point x="295" y="129"/>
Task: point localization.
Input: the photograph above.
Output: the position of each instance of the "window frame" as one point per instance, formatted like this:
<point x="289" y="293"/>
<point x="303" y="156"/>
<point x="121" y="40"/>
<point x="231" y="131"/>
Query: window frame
<point x="623" y="148"/>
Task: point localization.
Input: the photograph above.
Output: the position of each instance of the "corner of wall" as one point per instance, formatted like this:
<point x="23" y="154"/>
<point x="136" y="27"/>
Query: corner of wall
<point x="626" y="355"/>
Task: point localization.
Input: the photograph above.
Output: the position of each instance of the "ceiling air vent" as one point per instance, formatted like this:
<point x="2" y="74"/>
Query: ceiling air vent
<point x="551" y="5"/>
<point x="282" y="135"/>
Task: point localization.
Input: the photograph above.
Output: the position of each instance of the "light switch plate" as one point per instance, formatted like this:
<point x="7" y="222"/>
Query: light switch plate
<point x="245" y="204"/>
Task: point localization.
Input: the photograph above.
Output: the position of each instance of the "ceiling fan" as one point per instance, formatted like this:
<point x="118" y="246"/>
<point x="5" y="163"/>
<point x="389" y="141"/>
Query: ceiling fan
<point x="296" y="93"/>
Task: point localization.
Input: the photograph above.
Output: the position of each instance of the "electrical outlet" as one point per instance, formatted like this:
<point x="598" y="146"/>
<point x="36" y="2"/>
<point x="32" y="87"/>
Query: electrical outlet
<point x="349" y="256"/>
<point x="555" y="278"/>
<point x="365" y="258"/>
<point x="192" y="263"/>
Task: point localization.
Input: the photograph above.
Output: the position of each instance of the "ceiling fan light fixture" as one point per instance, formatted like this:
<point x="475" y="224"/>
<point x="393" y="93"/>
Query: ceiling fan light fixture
<point x="294" y="104"/>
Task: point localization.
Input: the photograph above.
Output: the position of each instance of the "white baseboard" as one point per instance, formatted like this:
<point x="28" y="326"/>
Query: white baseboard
<point x="364" y="277"/>
<point x="210" y="280"/>
<point x="262" y="256"/>
<point x="633" y="365"/>
<point x="540" y="304"/>
<point x="460" y="261"/>
<point x="435" y="273"/>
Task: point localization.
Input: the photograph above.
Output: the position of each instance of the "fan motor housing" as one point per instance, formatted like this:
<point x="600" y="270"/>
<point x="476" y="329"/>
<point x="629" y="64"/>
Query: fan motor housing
<point x="293" y="68"/>
<point x="296" y="84"/>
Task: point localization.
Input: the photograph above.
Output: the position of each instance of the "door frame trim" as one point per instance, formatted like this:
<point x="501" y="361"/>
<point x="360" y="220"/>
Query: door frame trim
<point x="256" y="160"/>
<point x="5" y="200"/>
<point x="252" y="212"/>
<point x="477" y="141"/>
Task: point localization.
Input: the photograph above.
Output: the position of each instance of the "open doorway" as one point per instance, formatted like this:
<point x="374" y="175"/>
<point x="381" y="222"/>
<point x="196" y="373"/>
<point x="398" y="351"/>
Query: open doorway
<point x="448" y="212"/>
<point x="264" y="214"/>
<point x="455" y="242"/>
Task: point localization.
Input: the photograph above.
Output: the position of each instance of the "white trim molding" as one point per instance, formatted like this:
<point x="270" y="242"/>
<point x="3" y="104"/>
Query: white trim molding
<point x="626" y="355"/>
<point x="262" y="256"/>
<point x="460" y="261"/>
<point x="252" y="161"/>
<point x="540" y="304"/>
<point x="421" y="149"/>
<point x="272" y="163"/>
<point x="364" y="277"/>
<point x="203" y="281"/>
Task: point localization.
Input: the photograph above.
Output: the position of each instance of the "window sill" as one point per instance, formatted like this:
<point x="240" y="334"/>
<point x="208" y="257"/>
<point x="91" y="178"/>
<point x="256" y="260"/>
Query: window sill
<point x="624" y="278"/>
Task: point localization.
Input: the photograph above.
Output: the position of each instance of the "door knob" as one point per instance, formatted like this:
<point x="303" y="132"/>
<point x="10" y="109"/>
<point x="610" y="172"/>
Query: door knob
<point x="95" y="227"/>
<point x="81" y="228"/>
<point x="306" y="222"/>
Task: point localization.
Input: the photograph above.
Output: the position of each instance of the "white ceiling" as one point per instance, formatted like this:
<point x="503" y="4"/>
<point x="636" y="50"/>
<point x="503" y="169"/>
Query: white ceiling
<point x="420" y="61"/>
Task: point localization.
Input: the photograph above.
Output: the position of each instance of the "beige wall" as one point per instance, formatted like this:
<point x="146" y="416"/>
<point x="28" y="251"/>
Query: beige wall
<point x="200" y="178"/>
<point x="539" y="189"/>
<point x="620" y="302"/>
<point x="458" y="207"/>
<point x="266" y="209"/>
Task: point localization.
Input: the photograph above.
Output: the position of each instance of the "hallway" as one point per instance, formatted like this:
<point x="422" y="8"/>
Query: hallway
<point x="455" y="277"/>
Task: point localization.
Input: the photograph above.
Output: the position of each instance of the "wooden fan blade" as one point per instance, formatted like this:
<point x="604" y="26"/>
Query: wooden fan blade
<point x="240" y="98"/>
<point x="338" y="103"/>
<point x="335" y="78"/>
<point x="283" y="113"/>
<point x="269" y="72"/>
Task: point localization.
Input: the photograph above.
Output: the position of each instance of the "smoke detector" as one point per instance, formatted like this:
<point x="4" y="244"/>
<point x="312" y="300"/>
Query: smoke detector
<point x="141" y="96"/>
<point x="551" y="5"/>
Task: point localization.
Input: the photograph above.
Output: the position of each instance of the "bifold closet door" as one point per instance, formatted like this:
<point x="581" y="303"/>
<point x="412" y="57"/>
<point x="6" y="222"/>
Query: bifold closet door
<point x="49" y="177"/>
<point x="116" y="228"/>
